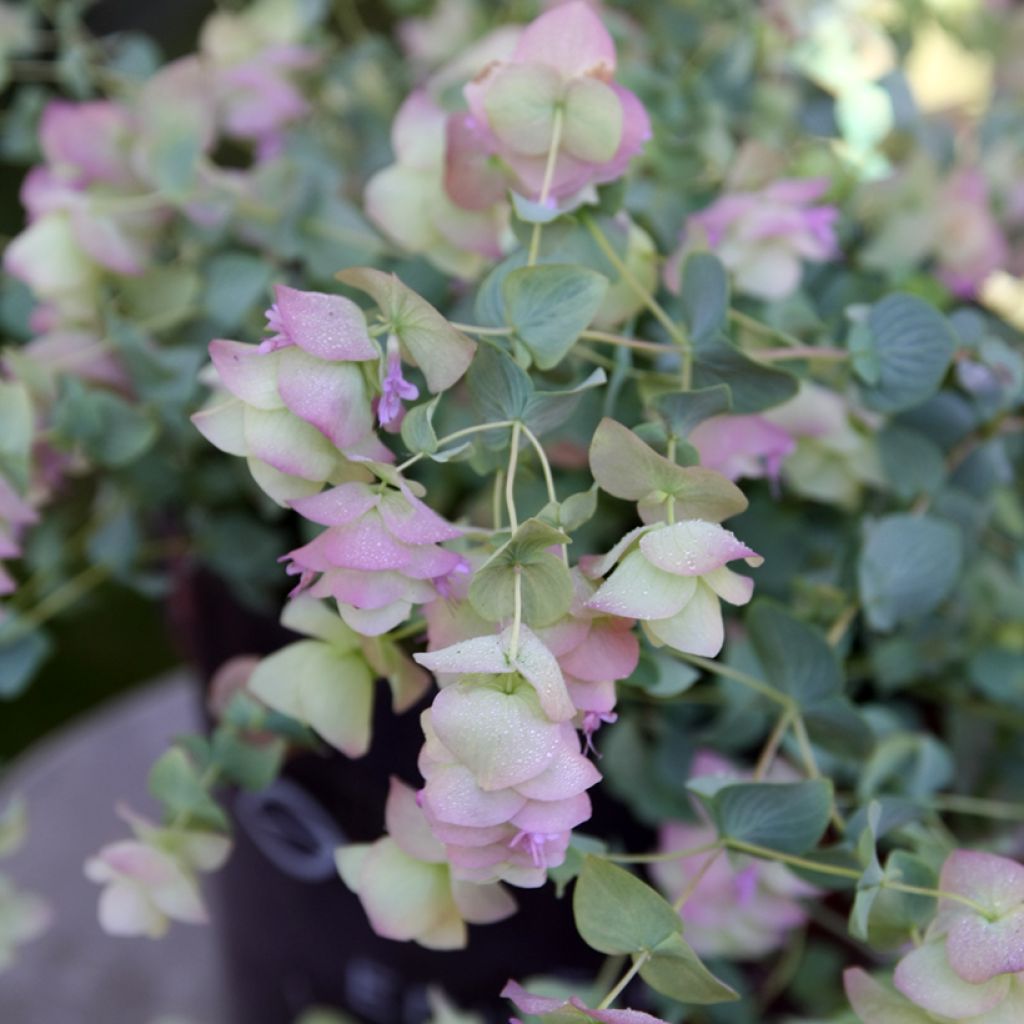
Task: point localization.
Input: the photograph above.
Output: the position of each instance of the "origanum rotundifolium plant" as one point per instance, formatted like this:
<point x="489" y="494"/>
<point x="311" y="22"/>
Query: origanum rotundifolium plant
<point x="635" y="388"/>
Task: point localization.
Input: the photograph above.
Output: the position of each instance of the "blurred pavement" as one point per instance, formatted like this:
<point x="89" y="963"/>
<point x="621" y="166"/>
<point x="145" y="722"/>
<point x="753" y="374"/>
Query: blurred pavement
<point x="74" y="974"/>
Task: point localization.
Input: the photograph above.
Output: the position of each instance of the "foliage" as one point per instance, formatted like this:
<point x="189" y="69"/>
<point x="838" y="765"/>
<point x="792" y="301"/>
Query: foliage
<point x="529" y="311"/>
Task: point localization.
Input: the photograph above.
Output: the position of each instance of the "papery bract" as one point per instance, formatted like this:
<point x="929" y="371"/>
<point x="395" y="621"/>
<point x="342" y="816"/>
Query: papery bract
<point x="328" y="681"/>
<point x="763" y="236"/>
<point x="671" y="577"/>
<point x="742" y="446"/>
<point x="505" y="778"/>
<point x="379" y="555"/>
<point x="151" y="880"/>
<point x="572" y="1009"/>
<point x="409" y="203"/>
<point x="406" y="886"/>
<point x="560" y="73"/>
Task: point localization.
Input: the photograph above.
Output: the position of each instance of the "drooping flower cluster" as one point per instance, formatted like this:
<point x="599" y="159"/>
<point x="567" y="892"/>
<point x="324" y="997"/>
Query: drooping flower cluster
<point x="83" y="219"/>
<point x="572" y="1009"/>
<point x="671" y="577"/>
<point x="970" y="967"/>
<point x="505" y="778"/>
<point x="740" y="910"/>
<point x="152" y="880"/>
<point x="545" y="119"/>
<point x="300" y="402"/>
<point x="328" y="680"/>
<point x="379" y="555"/>
<point x="763" y="237"/>
<point x="406" y="886"/>
<point x="593" y="650"/>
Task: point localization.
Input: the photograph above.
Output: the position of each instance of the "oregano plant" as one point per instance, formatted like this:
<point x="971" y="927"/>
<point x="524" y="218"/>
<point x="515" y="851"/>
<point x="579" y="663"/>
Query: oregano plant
<point x="635" y="390"/>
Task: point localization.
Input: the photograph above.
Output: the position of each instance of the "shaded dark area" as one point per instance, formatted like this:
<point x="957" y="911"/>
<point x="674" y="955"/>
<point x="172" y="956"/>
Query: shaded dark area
<point x="114" y="642"/>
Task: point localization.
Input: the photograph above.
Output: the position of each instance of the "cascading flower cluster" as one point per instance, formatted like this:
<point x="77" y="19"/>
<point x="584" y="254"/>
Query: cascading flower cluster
<point x="672" y="577"/>
<point x="505" y="778"/>
<point x="151" y="880"/>
<point x="970" y="966"/>
<point x="545" y="119"/>
<point x="379" y="555"/>
<point x="763" y="236"/>
<point x="297" y="403"/>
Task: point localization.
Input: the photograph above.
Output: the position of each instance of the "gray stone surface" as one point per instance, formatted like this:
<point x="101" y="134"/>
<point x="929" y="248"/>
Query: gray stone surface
<point x="75" y="974"/>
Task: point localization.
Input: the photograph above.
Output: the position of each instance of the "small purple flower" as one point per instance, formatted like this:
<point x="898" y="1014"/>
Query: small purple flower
<point x="592" y="721"/>
<point x="394" y="389"/>
<point x="279" y="336"/>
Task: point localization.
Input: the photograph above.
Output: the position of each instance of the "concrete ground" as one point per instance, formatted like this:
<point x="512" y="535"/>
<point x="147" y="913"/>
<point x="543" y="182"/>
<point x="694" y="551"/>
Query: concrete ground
<point x="74" y="974"/>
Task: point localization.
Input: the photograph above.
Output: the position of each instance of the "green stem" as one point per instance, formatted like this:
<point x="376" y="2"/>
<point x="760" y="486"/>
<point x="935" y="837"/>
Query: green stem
<point x="771" y="747"/>
<point x="549" y="480"/>
<point x="623" y="342"/>
<point x="691" y="886"/>
<point x="728" y="672"/>
<point x="448" y="438"/>
<point x="510" y="479"/>
<point x="657" y="858"/>
<point x="764" y="853"/>
<point x="670" y="502"/>
<point x="614" y="994"/>
<point x="842" y="624"/>
<point x="977" y="806"/>
<point x="497" y="332"/>
<point x="517" y="613"/>
<point x="777" y="355"/>
<point x="499" y="479"/>
<point x="412" y="628"/>
<point x="675" y="332"/>
<point x="63" y="597"/>
<point x="545" y="187"/>
<point x="757" y="327"/>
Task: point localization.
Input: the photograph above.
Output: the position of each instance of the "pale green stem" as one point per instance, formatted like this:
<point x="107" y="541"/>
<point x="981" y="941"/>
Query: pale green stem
<point x="691" y="886"/>
<point x="447" y="439"/>
<point x="497" y="332"/>
<point x="675" y="332"/>
<point x="549" y="480"/>
<point x="771" y="747"/>
<point x="777" y="355"/>
<point x="614" y="994"/>
<point x="657" y="858"/>
<point x="545" y="187"/>
<point x="517" y="613"/>
<point x="751" y="682"/>
<point x="752" y="324"/>
<point x="499" y="479"/>
<point x="842" y="624"/>
<point x="670" y="503"/>
<point x="623" y="342"/>
<point x="63" y="597"/>
<point x="977" y="806"/>
<point x="837" y="871"/>
<point x="412" y="628"/>
<point x="510" y="479"/>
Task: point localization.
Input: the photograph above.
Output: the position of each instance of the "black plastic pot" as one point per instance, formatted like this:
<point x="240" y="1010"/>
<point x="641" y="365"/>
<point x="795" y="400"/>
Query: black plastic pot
<point x="294" y="934"/>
